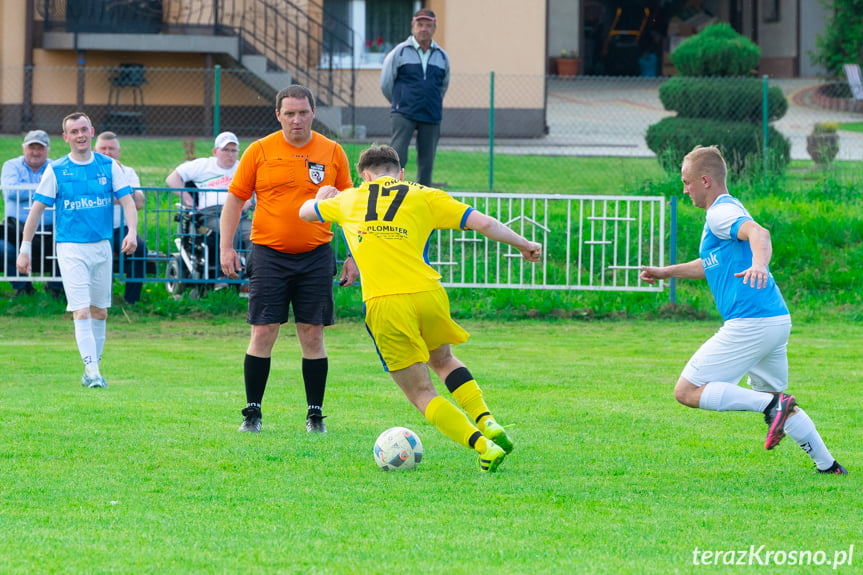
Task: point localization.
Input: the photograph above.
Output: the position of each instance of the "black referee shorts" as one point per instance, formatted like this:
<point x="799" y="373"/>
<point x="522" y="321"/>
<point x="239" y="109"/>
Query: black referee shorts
<point x="279" y="281"/>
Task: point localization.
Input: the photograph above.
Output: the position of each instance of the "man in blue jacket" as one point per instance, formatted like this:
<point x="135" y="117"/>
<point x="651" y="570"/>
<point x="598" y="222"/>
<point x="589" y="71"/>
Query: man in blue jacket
<point x="414" y="79"/>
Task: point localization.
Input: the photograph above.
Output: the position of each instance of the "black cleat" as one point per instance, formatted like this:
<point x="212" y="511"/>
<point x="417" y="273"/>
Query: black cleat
<point x="776" y="415"/>
<point x="251" y="421"/>
<point x="315" y="423"/>
<point x="835" y="469"/>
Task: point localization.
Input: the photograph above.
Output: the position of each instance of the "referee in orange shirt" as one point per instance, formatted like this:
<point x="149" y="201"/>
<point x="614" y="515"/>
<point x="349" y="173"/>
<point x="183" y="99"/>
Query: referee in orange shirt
<point x="291" y="263"/>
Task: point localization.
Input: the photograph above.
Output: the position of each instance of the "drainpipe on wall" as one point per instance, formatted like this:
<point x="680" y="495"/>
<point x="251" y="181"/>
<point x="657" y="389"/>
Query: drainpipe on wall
<point x="82" y="76"/>
<point x="27" y="96"/>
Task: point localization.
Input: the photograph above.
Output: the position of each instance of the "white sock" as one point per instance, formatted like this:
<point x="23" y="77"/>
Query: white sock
<point x="722" y="396"/>
<point x="87" y="346"/>
<point x="99" y="335"/>
<point x="800" y="428"/>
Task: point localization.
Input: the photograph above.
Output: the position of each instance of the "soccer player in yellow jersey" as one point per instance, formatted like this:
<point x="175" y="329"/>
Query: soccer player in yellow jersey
<point x="387" y="223"/>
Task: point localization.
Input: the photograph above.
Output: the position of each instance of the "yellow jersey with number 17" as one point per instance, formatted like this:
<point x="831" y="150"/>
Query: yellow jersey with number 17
<point x="388" y="225"/>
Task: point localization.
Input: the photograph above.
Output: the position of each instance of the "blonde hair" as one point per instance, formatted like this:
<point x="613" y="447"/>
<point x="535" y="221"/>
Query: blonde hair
<point x="707" y="160"/>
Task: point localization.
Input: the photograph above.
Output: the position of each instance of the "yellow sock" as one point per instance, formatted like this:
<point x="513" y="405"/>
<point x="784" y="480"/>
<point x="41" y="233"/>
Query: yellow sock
<point x="469" y="397"/>
<point x="453" y="423"/>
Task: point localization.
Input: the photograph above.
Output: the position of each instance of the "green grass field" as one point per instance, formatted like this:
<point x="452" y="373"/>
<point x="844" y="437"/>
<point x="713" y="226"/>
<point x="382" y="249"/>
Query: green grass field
<point x="154" y="159"/>
<point x="852" y="126"/>
<point x="609" y="475"/>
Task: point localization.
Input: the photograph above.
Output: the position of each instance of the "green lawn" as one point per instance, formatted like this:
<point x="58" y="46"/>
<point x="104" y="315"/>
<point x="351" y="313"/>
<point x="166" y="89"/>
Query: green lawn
<point x="154" y="159"/>
<point x="851" y="126"/>
<point x="609" y="475"/>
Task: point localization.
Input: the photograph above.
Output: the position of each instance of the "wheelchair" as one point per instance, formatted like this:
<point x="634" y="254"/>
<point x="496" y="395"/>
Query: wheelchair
<point x="194" y="262"/>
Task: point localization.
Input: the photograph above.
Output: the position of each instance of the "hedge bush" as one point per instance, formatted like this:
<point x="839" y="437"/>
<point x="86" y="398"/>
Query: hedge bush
<point x="726" y="113"/>
<point x="717" y="51"/>
<point x="737" y="100"/>
<point x="741" y="143"/>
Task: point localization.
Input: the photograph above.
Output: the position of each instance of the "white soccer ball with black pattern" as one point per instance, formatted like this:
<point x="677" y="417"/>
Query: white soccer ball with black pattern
<point x="398" y="448"/>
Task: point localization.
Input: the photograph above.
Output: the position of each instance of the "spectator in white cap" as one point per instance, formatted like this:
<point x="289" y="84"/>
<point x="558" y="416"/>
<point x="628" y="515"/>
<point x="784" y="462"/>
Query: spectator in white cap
<point x="207" y="180"/>
<point x="19" y="179"/>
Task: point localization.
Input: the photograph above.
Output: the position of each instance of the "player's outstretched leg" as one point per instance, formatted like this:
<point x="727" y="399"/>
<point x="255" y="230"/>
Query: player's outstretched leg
<point x="801" y="429"/>
<point x="495" y="432"/>
<point x="835" y="469"/>
<point x="453" y="423"/>
<point x="777" y="413"/>
<point x="468" y="395"/>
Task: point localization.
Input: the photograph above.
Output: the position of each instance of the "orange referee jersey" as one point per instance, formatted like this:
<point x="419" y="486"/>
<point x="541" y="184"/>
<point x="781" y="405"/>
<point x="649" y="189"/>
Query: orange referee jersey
<point x="283" y="177"/>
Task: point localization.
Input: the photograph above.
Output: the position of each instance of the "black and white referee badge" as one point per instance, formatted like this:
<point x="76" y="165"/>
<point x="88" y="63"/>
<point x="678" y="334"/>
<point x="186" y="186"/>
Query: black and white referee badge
<point x="316" y="172"/>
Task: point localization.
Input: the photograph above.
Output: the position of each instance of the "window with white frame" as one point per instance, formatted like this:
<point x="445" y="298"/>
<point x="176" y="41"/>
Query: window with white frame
<point x="378" y="25"/>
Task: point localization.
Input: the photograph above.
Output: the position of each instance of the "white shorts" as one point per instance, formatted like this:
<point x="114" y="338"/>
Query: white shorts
<point x="757" y="346"/>
<point x="86" y="271"/>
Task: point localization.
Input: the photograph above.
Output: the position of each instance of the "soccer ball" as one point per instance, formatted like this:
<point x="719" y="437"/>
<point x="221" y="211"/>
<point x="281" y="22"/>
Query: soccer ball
<point x="398" y="448"/>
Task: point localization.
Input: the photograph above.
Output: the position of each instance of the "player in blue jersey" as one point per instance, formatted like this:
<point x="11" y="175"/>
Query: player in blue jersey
<point x="734" y="257"/>
<point x="82" y="187"/>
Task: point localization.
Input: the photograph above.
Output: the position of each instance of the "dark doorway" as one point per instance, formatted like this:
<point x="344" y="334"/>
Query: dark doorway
<point x="623" y="37"/>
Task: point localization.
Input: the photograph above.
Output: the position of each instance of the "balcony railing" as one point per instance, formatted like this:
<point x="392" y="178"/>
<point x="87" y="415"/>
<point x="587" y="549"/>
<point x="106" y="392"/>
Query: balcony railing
<point x="296" y="37"/>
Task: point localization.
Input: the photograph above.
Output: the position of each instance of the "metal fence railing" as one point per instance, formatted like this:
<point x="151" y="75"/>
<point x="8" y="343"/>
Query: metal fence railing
<point x="590" y="243"/>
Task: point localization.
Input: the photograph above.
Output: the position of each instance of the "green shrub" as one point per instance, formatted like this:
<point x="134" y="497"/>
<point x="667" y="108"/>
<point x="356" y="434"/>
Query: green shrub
<point x="725" y="114"/>
<point x="737" y="100"/>
<point x="741" y="143"/>
<point x="717" y="51"/>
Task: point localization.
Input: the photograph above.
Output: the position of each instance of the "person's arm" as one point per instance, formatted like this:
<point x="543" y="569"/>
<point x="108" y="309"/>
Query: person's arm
<point x="135" y="182"/>
<point x="494" y="230"/>
<point x="130" y="215"/>
<point x="8" y="177"/>
<point x="690" y="270"/>
<point x="23" y="262"/>
<point x="762" y="250"/>
<point x="139" y="200"/>
<point x="309" y="213"/>
<point x="228" y="222"/>
<point x="444" y="85"/>
<point x="174" y="180"/>
<point x="350" y="272"/>
<point x="388" y="75"/>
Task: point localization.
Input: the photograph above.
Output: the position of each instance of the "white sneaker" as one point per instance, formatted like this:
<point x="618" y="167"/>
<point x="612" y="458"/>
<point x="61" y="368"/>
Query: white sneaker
<point x="93" y="382"/>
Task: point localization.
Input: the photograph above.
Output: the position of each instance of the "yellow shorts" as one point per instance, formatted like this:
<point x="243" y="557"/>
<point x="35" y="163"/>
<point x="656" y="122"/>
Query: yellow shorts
<point x="405" y="327"/>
